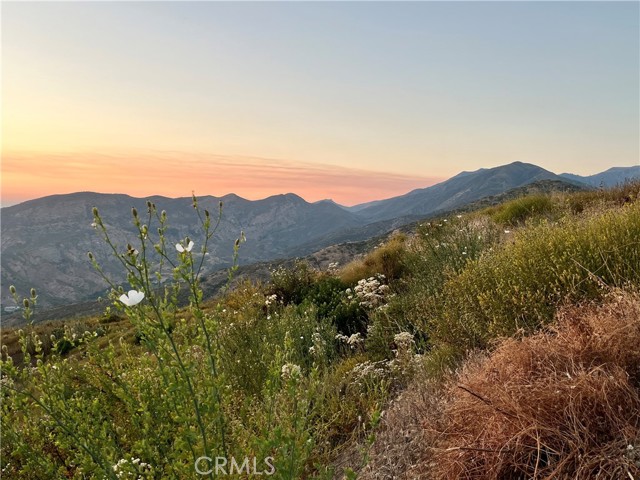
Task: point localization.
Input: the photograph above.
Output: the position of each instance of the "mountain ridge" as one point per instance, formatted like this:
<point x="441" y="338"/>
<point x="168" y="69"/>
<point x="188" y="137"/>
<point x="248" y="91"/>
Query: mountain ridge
<point x="45" y="241"/>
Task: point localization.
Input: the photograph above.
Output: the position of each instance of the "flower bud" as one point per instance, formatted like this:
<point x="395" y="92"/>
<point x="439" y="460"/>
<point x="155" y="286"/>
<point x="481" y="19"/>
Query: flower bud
<point x="90" y="255"/>
<point x="12" y="289"/>
<point x="95" y="211"/>
<point x="25" y="302"/>
<point x="206" y="213"/>
<point x="33" y="293"/>
<point x="149" y="205"/>
<point x="134" y="212"/>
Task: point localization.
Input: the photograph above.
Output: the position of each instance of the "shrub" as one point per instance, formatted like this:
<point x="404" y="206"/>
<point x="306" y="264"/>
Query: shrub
<point x="625" y="193"/>
<point x="559" y="404"/>
<point x="385" y="260"/>
<point x="440" y="250"/>
<point x="517" y="211"/>
<point x="291" y="285"/>
<point x="328" y="296"/>
<point x="521" y="285"/>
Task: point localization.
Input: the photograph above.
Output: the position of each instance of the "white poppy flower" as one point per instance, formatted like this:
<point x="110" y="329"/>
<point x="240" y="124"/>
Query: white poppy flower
<point x="181" y="248"/>
<point x="132" y="298"/>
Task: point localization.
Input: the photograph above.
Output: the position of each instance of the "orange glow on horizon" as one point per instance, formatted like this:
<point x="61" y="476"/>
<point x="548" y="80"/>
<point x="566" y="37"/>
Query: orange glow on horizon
<point x="173" y="174"/>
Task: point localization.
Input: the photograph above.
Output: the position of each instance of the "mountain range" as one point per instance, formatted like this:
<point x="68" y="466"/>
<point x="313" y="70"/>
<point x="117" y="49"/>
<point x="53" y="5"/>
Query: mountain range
<point x="45" y="241"/>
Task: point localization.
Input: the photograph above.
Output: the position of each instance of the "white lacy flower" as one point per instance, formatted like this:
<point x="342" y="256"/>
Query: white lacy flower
<point x="290" y="370"/>
<point x="132" y="298"/>
<point x="181" y="248"/>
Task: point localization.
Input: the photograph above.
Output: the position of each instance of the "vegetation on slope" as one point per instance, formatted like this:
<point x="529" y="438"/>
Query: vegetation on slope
<point x="301" y="370"/>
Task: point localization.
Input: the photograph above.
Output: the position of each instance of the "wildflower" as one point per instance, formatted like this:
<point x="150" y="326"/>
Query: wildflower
<point x="181" y="248"/>
<point x="290" y="370"/>
<point x="94" y="225"/>
<point x="354" y="340"/>
<point x="132" y="298"/>
<point x="271" y="299"/>
<point x="403" y="338"/>
<point x="507" y="231"/>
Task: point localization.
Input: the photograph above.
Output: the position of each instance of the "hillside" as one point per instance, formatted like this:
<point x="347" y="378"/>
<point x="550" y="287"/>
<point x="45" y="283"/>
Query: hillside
<point x="343" y="246"/>
<point x="45" y="241"/>
<point x="464" y="188"/>
<point x="336" y="371"/>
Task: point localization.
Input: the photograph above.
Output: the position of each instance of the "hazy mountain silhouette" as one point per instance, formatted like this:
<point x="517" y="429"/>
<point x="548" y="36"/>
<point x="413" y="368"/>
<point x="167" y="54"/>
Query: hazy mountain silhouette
<point x="608" y="178"/>
<point x="463" y="188"/>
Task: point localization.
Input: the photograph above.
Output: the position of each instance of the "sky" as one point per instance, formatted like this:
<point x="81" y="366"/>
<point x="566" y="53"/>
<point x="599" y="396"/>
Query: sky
<point x="354" y="101"/>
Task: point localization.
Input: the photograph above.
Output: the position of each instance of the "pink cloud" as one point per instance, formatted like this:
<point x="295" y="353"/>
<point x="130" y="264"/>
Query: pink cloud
<point x="176" y="174"/>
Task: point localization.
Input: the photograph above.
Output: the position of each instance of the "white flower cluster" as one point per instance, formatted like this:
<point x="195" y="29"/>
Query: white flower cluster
<point x="129" y="468"/>
<point x="271" y="299"/>
<point x="405" y="360"/>
<point x="354" y="340"/>
<point x="289" y="371"/>
<point x="371" y="292"/>
<point x="319" y="344"/>
<point x="368" y="370"/>
<point x="403" y="340"/>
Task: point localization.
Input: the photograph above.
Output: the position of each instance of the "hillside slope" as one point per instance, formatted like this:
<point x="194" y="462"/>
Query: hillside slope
<point x="464" y="188"/>
<point x="45" y="241"/>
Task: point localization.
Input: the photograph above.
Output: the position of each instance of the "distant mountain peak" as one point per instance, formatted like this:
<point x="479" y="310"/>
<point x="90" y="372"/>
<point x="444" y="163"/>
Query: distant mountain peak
<point x="608" y="178"/>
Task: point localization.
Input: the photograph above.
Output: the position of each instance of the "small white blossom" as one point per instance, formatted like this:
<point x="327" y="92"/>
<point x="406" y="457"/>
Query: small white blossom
<point x="132" y="298"/>
<point x="182" y="248"/>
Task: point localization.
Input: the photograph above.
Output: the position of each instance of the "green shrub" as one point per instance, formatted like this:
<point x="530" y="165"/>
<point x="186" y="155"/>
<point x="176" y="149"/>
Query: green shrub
<point x="521" y="285"/>
<point x="328" y="296"/>
<point x="291" y="285"/>
<point x="517" y="211"/>
<point x="439" y="251"/>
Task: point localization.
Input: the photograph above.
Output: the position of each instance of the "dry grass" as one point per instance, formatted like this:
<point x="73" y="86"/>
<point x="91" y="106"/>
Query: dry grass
<point x="561" y="404"/>
<point x="386" y="259"/>
<point x="399" y="449"/>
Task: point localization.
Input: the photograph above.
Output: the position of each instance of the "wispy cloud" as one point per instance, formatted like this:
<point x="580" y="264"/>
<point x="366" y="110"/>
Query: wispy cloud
<point x="34" y="175"/>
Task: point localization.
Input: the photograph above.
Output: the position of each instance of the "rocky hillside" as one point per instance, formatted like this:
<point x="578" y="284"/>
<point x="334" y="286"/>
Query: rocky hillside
<point x="45" y="241"/>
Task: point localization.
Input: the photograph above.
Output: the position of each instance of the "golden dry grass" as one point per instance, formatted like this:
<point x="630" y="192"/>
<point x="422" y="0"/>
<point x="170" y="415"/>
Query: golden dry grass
<point x="560" y="404"/>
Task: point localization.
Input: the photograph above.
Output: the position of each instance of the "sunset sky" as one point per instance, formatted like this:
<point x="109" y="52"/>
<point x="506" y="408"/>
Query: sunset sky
<point x="352" y="101"/>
